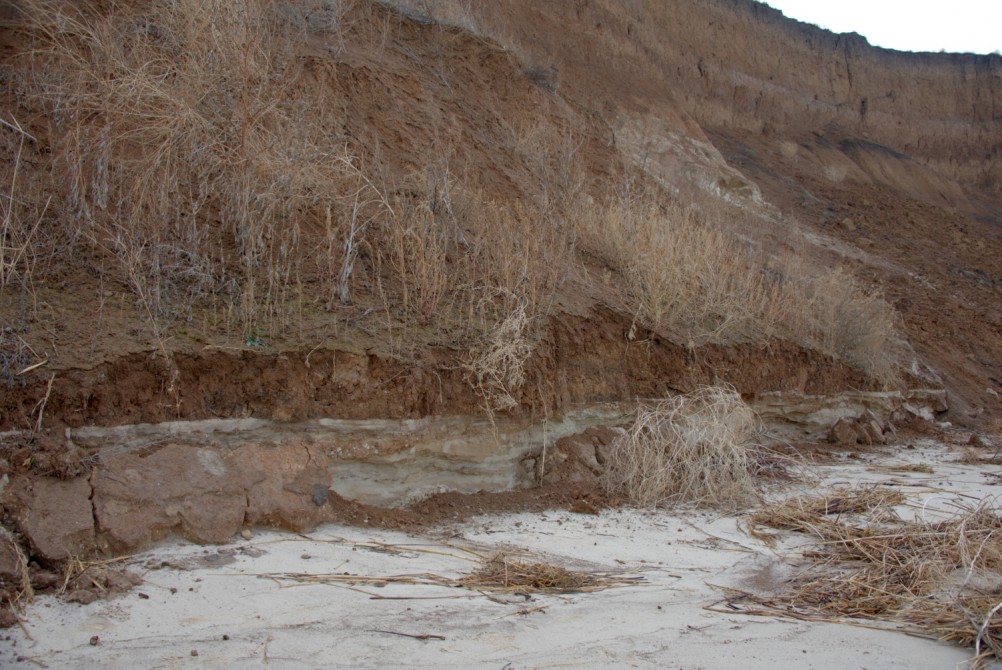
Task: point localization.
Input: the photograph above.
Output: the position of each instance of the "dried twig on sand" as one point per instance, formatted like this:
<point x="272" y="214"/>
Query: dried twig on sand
<point x="497" y="573"/>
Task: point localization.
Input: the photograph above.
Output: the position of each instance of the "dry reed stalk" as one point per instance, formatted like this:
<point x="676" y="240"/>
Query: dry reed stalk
<point x="18" y="230"/>
<point x="418" y="250"/>
<point x="693" y="448"/>
<point x="942" y="577"/>
<point x="424" y="579"/>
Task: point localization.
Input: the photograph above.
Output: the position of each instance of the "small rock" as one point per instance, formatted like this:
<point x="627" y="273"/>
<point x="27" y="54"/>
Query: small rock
<point x="82" y="596"/>
<point x="95" y="640"/>
<point x="582" y="506"/>
<point x="12" y="567"/>
<point x="842" y="433"/>
<point x="194" y="652"/>
<point x="7" y="618"/>
<point x="42" y="580"/>
<point x="246" y="534"/>
<point x="120" y="581"/>
<point x="874" y="433"/>
<point x="319" y="495"/>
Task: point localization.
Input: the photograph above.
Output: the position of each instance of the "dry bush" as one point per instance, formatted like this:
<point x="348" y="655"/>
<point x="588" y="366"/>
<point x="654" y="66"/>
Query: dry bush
<point x="941" y="577"/>
<point x="851" y="323"/>
<point x="496" y="367"/>
<point x="693" y="448"/>
<point x="173" y="115"/>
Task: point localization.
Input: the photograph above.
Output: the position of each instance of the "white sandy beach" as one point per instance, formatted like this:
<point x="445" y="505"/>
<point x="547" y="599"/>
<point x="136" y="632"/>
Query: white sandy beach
<point x="228" y="606"/>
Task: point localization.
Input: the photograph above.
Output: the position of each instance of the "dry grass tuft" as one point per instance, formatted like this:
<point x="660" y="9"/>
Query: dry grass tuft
<point x="497" y="368"/>
<point x="503" y="573"/>
<point x="693" y="278"/>
<point x="694" y="448"/>
<point x="690" y="280"/>
<point x="180" y="150"/>
<point x="481" y="274"/>
<point x="941" y="577"/>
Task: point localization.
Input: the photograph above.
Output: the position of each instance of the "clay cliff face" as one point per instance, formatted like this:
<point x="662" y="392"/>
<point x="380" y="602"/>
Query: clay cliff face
<point x="743" y="66"/>
<point x="840" y="154"/>
<point x="766" y="73"/>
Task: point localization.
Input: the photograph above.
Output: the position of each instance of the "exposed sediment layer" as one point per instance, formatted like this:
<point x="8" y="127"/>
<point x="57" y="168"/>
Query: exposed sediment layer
<point x="206" y="480"/>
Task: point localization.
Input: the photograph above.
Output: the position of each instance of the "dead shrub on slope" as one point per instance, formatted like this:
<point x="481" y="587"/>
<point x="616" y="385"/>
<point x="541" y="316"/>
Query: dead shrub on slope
<point x="693" y="279"/>
<point x="694" y="448"/>
<point x="496" y="368"/>
<point x="849" y="322"/>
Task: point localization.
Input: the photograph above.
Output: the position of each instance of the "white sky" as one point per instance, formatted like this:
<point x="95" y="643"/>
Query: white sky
<point x="963" y="26"/>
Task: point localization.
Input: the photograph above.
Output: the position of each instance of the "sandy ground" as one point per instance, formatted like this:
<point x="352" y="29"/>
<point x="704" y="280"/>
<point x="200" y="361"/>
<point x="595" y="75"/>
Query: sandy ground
<point x="231" y="606"/>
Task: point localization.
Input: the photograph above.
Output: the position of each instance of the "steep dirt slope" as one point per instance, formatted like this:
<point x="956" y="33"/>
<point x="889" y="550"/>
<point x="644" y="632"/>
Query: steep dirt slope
<point x="892" y="158"/>
<point x="415" y="99"/>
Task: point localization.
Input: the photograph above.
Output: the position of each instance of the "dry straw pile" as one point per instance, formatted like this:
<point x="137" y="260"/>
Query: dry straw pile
<point x="498" y="573"/>
<point x="941" y="578"/>
<point x="501" y="572"/>
<point x="693" y="448"/>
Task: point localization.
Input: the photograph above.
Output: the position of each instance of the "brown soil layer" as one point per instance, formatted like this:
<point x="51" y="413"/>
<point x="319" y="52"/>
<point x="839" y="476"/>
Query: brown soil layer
<point x="581" y="360"/>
